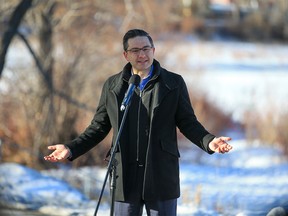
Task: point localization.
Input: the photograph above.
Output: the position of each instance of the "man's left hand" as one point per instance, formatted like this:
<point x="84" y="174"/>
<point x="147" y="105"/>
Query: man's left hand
<point x="220" y="145"/>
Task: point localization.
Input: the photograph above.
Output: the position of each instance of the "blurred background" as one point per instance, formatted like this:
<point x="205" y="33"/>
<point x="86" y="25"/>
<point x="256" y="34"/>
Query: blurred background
<point x="55" y="56"/>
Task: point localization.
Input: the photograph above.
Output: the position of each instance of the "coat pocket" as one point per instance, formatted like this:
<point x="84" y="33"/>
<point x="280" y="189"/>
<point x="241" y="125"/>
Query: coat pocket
<point x="170" y="147"/>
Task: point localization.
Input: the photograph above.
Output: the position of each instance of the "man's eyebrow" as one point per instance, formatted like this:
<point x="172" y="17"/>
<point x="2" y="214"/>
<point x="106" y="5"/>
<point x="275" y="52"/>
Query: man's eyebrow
<point x="141" y="48"/>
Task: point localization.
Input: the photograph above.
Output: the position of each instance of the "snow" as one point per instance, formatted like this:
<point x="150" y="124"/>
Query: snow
<point x="237" y="77"/>
<point x="232" y="184"/>
<point x="27" y="188"/>
<point x="249" y="181"/>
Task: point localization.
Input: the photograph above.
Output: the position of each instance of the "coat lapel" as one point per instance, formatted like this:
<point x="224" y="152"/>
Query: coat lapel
<point x="118" y="89"/>
<point x="161" y="89"/>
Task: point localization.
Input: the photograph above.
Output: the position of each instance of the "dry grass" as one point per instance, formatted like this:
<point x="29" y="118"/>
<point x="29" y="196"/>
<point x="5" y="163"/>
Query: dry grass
<point x="271" y="128"/>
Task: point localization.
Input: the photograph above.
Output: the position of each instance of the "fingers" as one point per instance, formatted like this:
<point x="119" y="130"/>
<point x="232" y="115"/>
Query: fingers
<point x="225" y="148"/>
<point x="223" y="145"/>
<point x="53" y="158"/>
<point x="52" y="147"/>
<point x="58" y="153"/>
<point x="225" y="139"/>
<point x="50" y="158"/>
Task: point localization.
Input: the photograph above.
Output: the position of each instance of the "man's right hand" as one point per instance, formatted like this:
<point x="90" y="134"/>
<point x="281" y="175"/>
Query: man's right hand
<point x="60" y="153"/>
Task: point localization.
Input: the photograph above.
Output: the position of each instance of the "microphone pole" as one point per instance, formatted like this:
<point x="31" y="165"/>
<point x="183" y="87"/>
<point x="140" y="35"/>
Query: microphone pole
<point x="134" y="82"/>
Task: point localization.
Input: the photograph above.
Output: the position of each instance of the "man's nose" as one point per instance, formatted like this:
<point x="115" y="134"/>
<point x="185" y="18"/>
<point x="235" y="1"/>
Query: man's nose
<point x="142" y="53"/>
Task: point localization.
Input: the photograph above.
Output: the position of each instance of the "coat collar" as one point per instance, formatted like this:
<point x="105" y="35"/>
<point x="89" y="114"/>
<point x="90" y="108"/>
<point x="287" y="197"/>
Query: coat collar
<point x="163" y="85"/>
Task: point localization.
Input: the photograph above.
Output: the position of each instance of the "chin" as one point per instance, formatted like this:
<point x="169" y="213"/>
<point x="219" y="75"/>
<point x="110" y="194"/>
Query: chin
<point x="144" y="66"/>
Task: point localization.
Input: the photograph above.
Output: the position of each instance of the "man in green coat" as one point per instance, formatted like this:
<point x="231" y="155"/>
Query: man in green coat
<point x="148" y="156"/>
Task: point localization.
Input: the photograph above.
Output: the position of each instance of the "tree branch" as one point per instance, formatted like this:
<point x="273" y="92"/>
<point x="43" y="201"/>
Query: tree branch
<point x="13" y="25"/>
<point x="55" y="91"/>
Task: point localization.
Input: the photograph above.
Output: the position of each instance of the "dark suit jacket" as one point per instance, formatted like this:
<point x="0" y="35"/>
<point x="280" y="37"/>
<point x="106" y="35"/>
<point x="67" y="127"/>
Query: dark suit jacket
<point x="171" y="108"/>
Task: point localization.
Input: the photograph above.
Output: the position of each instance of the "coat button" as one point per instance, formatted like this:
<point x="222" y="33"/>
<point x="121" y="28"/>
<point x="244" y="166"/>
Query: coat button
<point x="147" y="132"/>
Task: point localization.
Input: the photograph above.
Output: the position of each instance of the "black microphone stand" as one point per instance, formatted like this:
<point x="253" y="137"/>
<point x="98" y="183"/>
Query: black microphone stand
<point x="112" y="167"/>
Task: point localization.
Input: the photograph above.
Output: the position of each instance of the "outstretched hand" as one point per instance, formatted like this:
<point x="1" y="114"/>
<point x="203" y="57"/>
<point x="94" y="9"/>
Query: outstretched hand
<point x="220" y="145"/>
<point x="60" y="153"/>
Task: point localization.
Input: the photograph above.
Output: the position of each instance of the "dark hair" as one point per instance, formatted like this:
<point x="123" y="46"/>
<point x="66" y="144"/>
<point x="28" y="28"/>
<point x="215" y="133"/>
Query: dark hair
<point x="134" y="33"/>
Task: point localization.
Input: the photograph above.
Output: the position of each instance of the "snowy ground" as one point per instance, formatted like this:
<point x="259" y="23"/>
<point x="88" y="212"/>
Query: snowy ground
<point x="236" y="76"/>
<point x="250" y="180"/>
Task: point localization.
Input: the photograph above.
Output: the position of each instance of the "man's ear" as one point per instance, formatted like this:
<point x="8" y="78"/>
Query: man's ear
<point x="125" y="54"/>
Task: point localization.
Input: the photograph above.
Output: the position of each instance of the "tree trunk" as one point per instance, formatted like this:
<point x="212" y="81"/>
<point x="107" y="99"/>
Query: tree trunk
<point x="12" y="29"/>
<point x="47" y="132"/>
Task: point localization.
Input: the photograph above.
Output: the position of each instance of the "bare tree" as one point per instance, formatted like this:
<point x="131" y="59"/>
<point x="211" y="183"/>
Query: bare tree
<point x="12" y="29"/>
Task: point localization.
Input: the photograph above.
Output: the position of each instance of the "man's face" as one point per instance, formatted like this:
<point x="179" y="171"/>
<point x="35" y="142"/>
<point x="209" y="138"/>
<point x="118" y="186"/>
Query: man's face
<point x="140" y="53"/>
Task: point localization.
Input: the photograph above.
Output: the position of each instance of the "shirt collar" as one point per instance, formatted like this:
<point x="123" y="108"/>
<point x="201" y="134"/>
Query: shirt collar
<point x="146" y="79"/>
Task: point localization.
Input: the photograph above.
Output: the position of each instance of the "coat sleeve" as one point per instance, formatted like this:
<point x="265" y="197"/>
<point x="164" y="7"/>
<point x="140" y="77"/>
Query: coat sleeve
<point x="95" y="132"/>
<point x="188" y="123"/>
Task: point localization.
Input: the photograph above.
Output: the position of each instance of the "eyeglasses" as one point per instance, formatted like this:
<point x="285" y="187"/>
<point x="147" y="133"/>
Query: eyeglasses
<point x="136" y="51"/>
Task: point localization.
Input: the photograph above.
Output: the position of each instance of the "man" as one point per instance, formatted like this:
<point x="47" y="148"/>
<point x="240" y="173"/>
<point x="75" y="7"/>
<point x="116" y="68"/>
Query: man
<point x="148" y="156"/>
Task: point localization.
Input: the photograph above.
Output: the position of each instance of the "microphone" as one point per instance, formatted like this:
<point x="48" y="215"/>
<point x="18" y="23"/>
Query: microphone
<point x="133" y="83"/>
